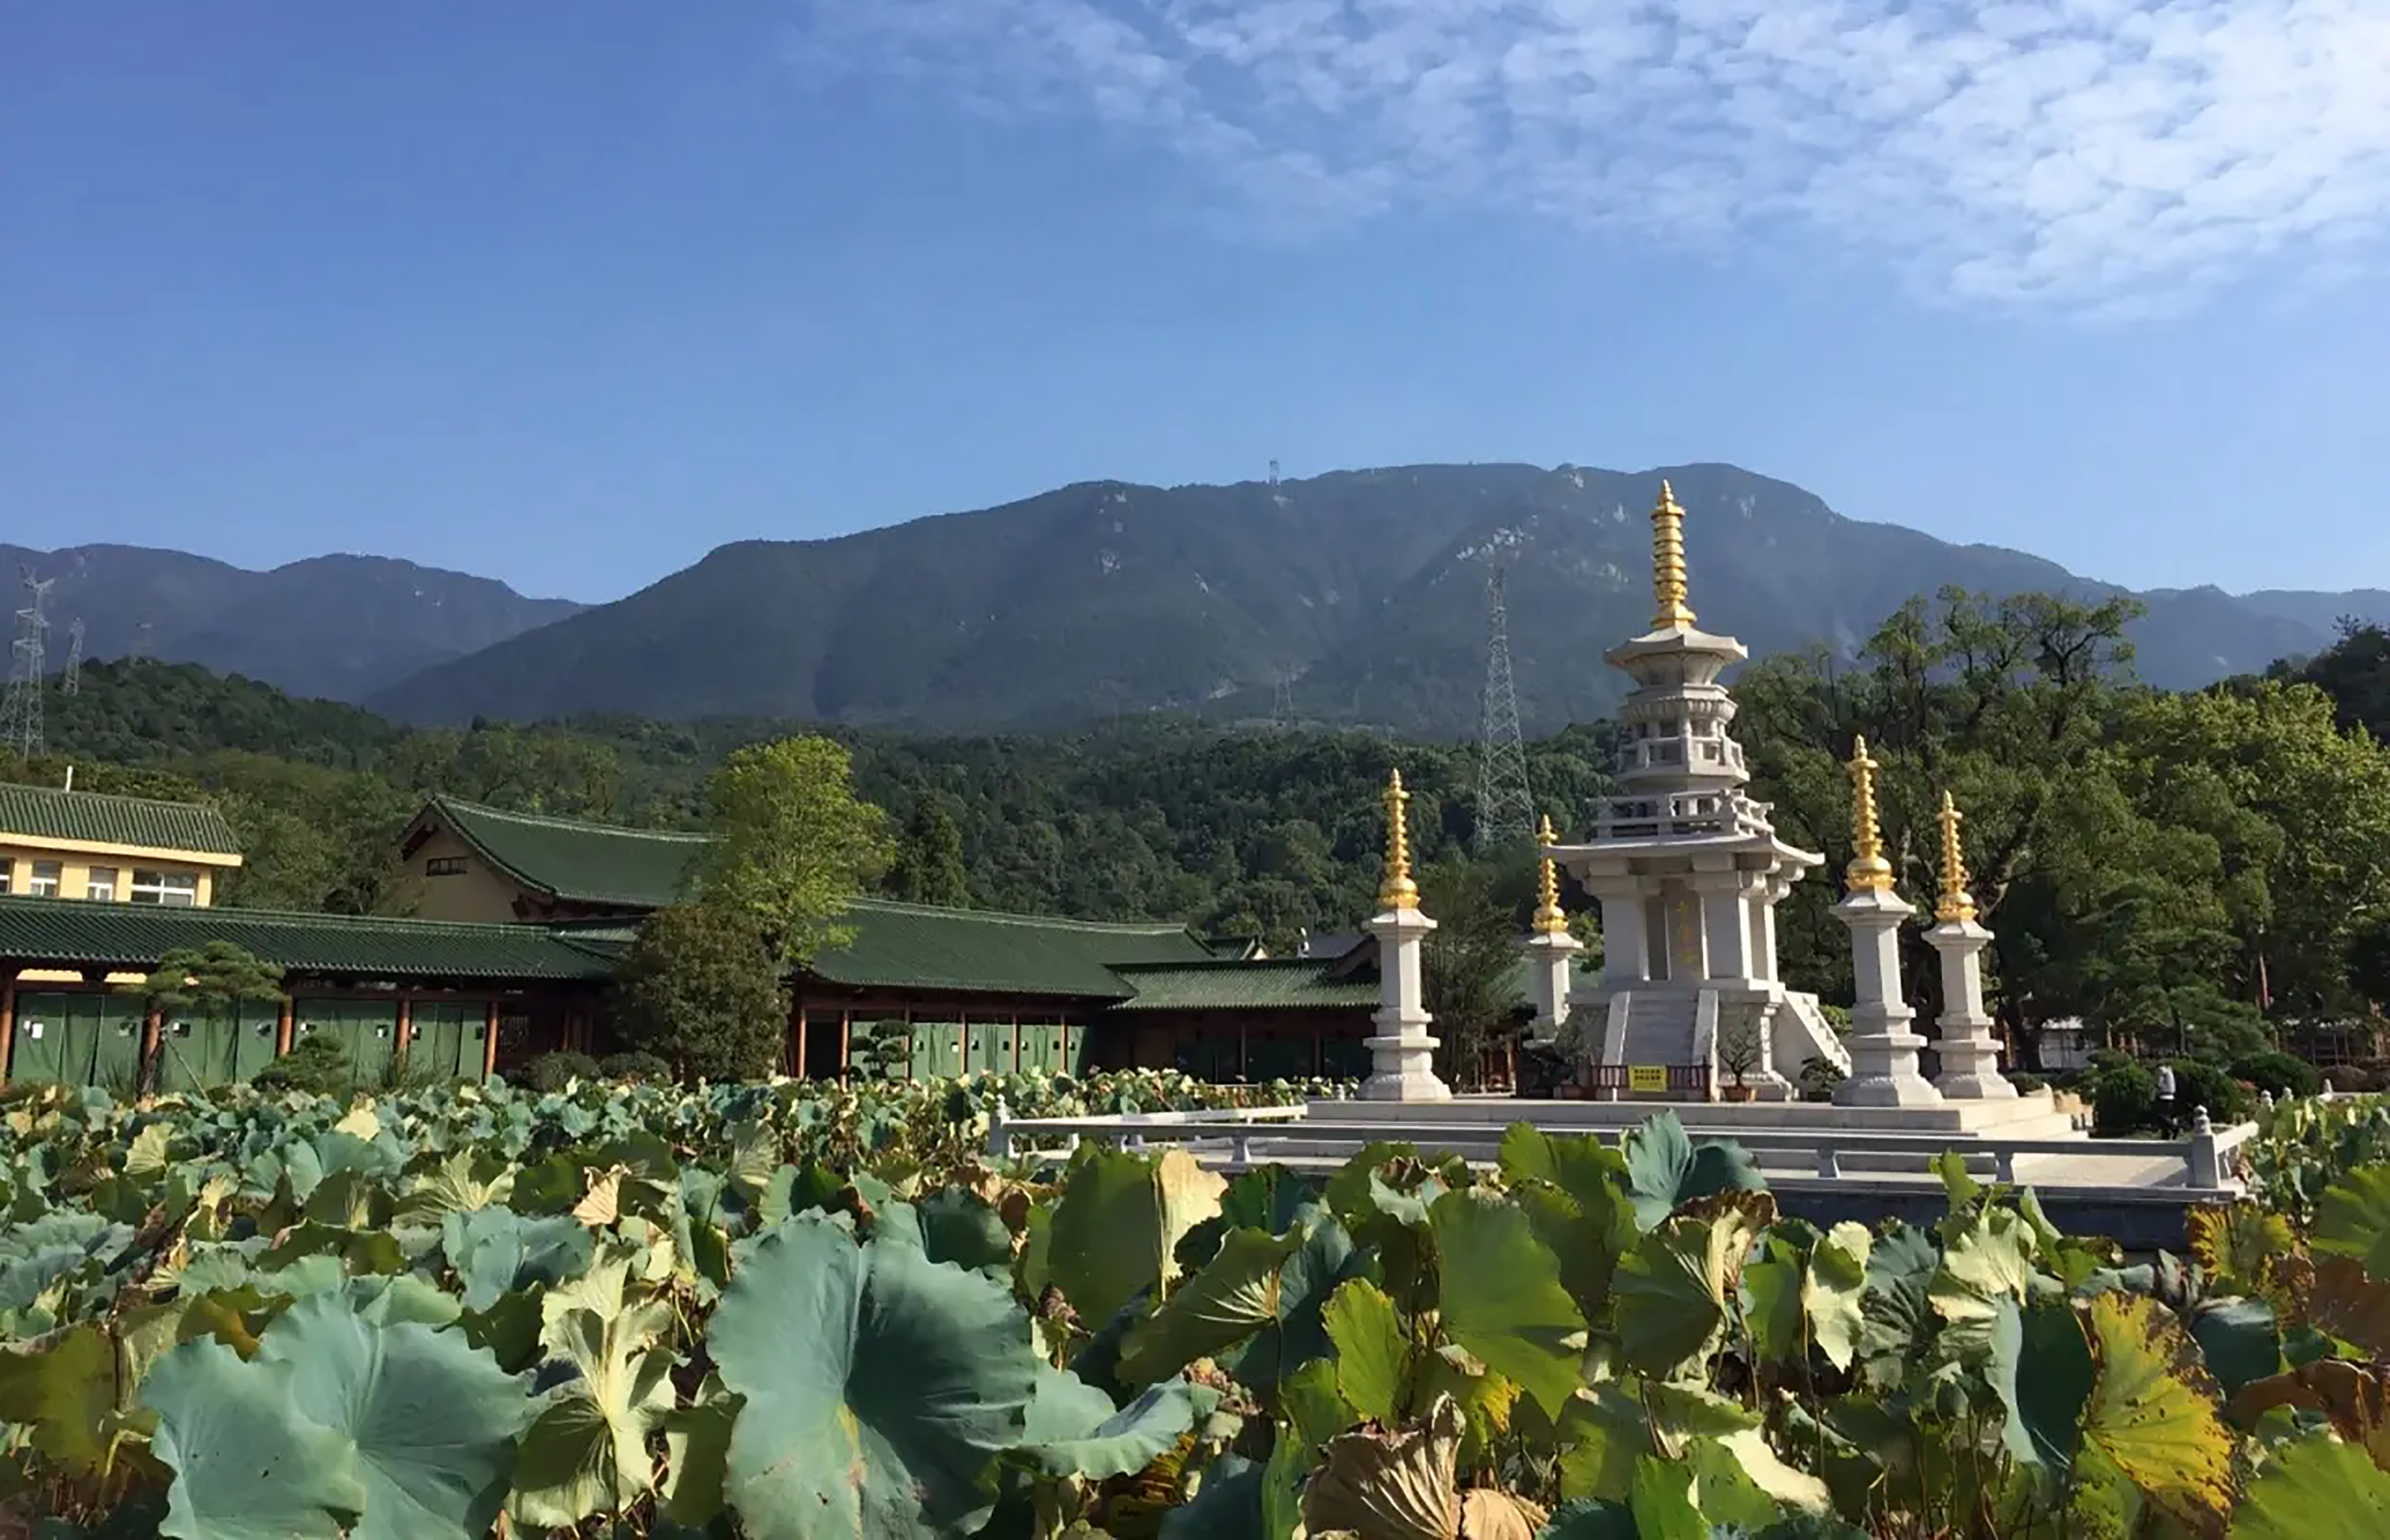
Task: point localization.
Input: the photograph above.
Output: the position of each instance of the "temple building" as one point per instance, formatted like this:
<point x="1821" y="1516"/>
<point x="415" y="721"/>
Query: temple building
<point x="521" y="921"/>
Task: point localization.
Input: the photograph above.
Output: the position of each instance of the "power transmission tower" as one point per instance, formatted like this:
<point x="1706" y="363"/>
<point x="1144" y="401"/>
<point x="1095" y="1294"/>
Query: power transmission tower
<point x="141" y="639"/>
<point x="1506" y="810"/>
<point x="21" y="716"/>
<point x="1273" y="473"/>
<point x="1283" y="703"/>
<point x="70" y="679"/>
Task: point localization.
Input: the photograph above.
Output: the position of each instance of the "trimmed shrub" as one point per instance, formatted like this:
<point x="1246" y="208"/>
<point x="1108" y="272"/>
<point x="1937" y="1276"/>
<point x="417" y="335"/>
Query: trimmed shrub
<point x="2198" y="1083"/>
<point x="636" y="1065"/>
<point x="2123" y="1094"/>
<point x="2027" y="1085"/>
<point x="2284" y="1074"/>
<point x="550" y="1072"/>
<point x="315" y="1064"/>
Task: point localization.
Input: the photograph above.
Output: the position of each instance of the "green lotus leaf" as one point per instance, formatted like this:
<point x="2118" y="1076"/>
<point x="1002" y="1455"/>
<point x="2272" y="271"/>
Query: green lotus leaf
<point x="1324" y="1262"/>
<point x="1587" y="1234"/>
<point x="1235" y="1295"/>
<point x="2153" y="1410"/>
<point x="1662" y="1502"/>
<point x="587" y="1450"/>
<point x="1117" y="1228"/>
<point x="1771" y="1293"/>
<point x="431" y="1421"/>
<point x="697" y="1455"/>
<point x="1578" y="1164"/>
<point x="63" y="1389"/>
<point x="1314" y="1406"/>
<point x="2352" y="1220"/>
<point x="1831" y="1289"/>
<point x="2312" y="1487"/>
<point x="1665" y="1169"/>
<point x="880" y="1386"/>
<point x="463" y="1182"/>
<point x="2239" y="1340"/>
<point x="1675" y="1286"/>
<point x="1988" y="1260"/>
<point x="1896" y="1307"/>
<point x="247" y="1465"/>
<point x="1073" y="1428"/>
<point x="960" y="1226"/>
<point x="1499" y="1296"/>
<point x="496" y="1250"/>
<point x="1373" y="1351"/>
<point x="1486" y="1399"/>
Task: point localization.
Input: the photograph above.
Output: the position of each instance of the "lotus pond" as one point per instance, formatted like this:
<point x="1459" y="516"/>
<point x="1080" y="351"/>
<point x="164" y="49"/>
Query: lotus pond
<point x="779" y="1311"/>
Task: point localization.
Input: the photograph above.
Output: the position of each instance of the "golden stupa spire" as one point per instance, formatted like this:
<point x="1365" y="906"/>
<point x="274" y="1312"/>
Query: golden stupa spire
<point x="1548" y="921"/>
<point x="1398" y="891"/>
<point x="1669" y="562"/>
<point x="1868" y="871"/>
<point x="1957" y="905"/>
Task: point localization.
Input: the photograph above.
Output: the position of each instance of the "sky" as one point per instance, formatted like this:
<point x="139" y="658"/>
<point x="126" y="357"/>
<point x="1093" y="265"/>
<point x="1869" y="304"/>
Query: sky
<point x="568" y="293"/>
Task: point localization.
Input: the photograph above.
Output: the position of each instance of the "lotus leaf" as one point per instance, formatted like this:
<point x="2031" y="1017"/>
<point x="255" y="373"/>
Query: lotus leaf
<point x="1073" y="1428"/>
<point x="1500" y="1295"/>
<point x="1117" y="1227"/>
<point x="2153" y="1409"/>
<point x="247" y="1467"/>
<point x="1235" y="1295"/>
<point x="1373" y="1351"/>
<point x="586" y="1452"/>
<point x="2313" y="1487"/>
<point x="1665" y="1169"/>
<point x="2352" y="1220"/>
<point x="496" y="1250"/>
<point x="1394" y="1485"/>
<point x="878" y="1385"/>
<point x="1673" y="1289"/>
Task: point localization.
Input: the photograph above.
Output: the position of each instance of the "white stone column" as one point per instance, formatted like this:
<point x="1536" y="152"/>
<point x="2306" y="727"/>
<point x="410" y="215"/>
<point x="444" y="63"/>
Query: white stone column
<point x="1727" y="923"/>
<point x="1626" y="956"/>
<point x="1883" y="1051"/>
<point x="1550" y="956"/>
<point x="1970" y="1054"/>
<point x="1401" y="1057"/>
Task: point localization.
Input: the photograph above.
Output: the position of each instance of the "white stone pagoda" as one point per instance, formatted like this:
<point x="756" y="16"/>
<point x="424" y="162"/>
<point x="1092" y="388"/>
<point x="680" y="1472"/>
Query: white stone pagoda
<point x="1688" y="869"/>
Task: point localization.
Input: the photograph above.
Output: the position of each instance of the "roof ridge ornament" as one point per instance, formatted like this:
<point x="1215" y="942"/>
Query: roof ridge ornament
<point x="1398" y="891"/>
<point x="1868" y="871"/>
<point x="1957" y="905"/>
<point x="1669" y="562"/>
<point x="1550" y="921"/>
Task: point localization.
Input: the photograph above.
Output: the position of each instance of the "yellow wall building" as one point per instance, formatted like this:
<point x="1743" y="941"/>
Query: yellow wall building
<point x="108" y="849"/>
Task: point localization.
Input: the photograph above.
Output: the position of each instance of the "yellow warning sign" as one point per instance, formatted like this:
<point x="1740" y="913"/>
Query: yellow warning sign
<point x="1647" y="1077"/>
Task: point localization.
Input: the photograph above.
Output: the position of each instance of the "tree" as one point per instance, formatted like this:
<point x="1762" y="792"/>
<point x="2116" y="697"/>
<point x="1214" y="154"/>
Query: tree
<point x="795" y="844"/>
<point x="700" y="990"/>
<point x="209" y="980"/>
<point x="929" y="867"/>
<point x="1469" y="963"/>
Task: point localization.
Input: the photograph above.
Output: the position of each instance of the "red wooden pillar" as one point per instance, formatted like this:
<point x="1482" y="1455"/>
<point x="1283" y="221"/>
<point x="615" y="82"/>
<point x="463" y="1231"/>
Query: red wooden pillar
<point x="845" y="1042"/>
<point x="405" y="1025"/>
<point x="490" y="1042"/>
<point x="284" y="1023"/>
<point x="151" y="1025"/>
<point x="7" y="1022"/>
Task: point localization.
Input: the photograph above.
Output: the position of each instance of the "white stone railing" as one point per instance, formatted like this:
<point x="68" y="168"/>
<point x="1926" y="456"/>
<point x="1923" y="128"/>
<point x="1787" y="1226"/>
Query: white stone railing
<point x="1248" y="1137"/>
<point x="1678" y="813"/>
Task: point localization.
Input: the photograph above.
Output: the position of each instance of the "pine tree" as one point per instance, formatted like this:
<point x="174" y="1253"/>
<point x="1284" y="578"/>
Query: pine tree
<point x="929" y="867"/>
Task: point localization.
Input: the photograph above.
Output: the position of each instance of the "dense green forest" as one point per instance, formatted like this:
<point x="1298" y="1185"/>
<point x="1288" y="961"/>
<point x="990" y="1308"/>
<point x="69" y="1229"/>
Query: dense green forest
<point x="2173" y="863"/>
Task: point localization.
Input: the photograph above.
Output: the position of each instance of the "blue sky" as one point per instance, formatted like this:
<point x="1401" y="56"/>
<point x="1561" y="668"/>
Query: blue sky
<point x="570" y="293"/>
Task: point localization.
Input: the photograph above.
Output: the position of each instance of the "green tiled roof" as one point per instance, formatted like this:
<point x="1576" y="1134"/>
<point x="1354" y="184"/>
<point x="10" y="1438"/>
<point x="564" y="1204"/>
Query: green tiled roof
<point x="45" y="812"/>
<point x="1296" y="983"/>
<point x="577" y="862"/>
<point x="38" y="931"/>
<point x="918" y="947"/>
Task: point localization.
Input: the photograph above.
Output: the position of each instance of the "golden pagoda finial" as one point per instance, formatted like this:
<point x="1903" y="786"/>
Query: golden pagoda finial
<point x="1957" y="905"/>
<point x="1398" y="891"/>
<point x="1868" y="871"/>
<point x="1669" y="562"/>
<point x="1548" y="921"/>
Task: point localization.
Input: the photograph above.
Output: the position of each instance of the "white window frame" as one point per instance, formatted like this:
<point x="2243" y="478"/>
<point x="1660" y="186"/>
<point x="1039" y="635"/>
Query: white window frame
<point x="168" y="889"/>
<point x="96" y="890"/>
<point x="44" y="882"/>
<point x="7" y="874"/>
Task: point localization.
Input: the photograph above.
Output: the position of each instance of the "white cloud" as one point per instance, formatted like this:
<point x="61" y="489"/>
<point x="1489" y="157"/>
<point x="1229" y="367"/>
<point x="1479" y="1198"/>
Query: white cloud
<point x="2103" y="152"/>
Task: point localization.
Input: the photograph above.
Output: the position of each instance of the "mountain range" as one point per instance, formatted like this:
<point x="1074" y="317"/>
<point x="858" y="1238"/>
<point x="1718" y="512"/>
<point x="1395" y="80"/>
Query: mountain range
<point x="1358" y="597"/>
<point x="339" y="627"/>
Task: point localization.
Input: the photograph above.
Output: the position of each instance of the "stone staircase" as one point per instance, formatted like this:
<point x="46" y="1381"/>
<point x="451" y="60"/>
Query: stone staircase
<point x="1659" y="1028"/>
<point x="1800" y="1032"/>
